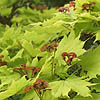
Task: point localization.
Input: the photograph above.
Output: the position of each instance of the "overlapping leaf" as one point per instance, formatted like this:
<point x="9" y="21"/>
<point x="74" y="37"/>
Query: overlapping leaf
<point x="7" y="76"/>
<point x="94" y="97"/>
<point x="14" y="88"/>
<point x="31" y="95"/>
<point x="97" y="86"/>
<point x="91" y="62"/>
<point x="62" y="88"/>
<point x="70" y="44"/>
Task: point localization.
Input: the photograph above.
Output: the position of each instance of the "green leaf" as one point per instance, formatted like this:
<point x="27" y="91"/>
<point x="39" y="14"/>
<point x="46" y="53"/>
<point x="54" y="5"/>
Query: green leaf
<point x="36" y="1"/>
<point x="5" y="11"/>
<point x="47" y="96"/>
<point x="91" y="62"/>
<point x="97" y="86"/>
<point x="12" y="33"/>
<point x="62" y="88"/>
<point x="14" y="88"/>
<point x="5" y="54"/>
<point x="7" y="2"/>
<point x="31" y="95"/>
<point x="29" y="48"/>
<point x="94" y="97"/>
<point x="70" y="44"/>
<point x="7" y="75"/>
<point x="98" y="35"/>
<point x="18" y="55"/>
<point x="86" y="25"/>
<point x="35" y="61"/>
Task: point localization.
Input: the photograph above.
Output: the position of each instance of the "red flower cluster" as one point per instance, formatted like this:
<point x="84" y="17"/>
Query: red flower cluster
<point x="34" y="69"/>
<point x="72" y="4"/>
<point x="28" y="88"/>
<point x="2" y="63"/>
<point x="48" y="47"/>
<point x="70" y="56"/>
<point x="64" y="9"/>
<point x="38" y="86"/>
<point x="88" y="6"/>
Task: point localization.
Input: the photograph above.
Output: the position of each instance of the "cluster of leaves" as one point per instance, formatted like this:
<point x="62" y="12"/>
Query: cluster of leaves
<point x="28" y="16"/>
<point x="21" y="11"/>
<point x="57" y="59"/>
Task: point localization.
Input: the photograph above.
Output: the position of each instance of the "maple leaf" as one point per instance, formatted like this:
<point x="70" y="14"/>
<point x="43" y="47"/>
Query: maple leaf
<point x="62" y="88"/>
<point x="91" y="62"/>
<point x="70" y="44"/>
<point x="94" y="97"/>
<point x="97" y="86"/>
<point x="31" y="95"/>
<point x="14" y="88"/>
